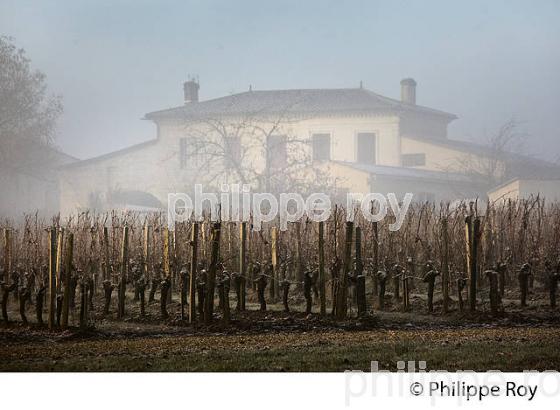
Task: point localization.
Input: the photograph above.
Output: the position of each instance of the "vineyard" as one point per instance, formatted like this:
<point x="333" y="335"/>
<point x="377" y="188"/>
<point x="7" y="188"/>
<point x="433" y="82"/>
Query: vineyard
<point x="126" y="275"/>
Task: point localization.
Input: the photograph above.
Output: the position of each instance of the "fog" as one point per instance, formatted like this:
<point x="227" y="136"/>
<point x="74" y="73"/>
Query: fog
<point x="114" y="61"/>
<point x="446" y="101"/>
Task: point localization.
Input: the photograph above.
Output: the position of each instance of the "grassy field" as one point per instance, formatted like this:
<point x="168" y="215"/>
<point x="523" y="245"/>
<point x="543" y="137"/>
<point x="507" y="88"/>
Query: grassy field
<point x="506" y="349"/>
<point x="520" y="339"/>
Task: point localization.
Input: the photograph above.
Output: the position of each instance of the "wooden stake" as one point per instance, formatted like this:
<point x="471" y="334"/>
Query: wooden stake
<point x="472" y="226"/>
<point x="322" y="288"/>
<point x="67" y="276"/>
<point x="124" y="269"/>
<point x="166" y="261"/>
<point x="375" y="233"/>
<point x="274" y="281"/>
<point x="358" y="274"/>
<point x="106" y="255"/>
<point x="445" y="265"/>
<point x="342" y="291"/>
<point x="299" y="257"/>
<point x="211" y="278"/>
<point x="192" y="279"/>
<point x="243" y="261"/>
<point x="59" y="245"/>
<point x="146" y="233"/>
<point x="7" y="256"/>
<point x="52" y="277"/>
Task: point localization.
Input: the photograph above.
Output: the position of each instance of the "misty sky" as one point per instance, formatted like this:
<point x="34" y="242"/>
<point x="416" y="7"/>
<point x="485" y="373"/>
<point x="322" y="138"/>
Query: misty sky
<point x="114" y="61"/>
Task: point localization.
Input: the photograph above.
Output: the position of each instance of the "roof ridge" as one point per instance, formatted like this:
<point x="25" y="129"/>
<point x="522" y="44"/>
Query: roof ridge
<point x="318" y="100"/>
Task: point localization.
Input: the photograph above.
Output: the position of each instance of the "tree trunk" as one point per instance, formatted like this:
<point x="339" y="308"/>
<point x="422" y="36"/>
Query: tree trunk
<point x="24" y="295"/>
<point x="107" y="290"/>
<point x="6" y="289"/>
<point x="165" y="285"/>
<point x="153" y="290"/>
<point x="285" y="292"/>
<point x="39" y="303"/>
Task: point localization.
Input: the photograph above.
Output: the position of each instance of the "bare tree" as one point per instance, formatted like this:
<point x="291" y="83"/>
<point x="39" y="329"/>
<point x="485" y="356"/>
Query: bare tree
<point x="27" y="114"/>
<point x="257" y="148"/>
<point x="494" y="165"/>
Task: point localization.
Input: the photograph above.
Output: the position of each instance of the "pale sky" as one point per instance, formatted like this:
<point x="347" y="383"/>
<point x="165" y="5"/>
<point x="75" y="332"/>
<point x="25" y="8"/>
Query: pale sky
<point x="114" y="61"/>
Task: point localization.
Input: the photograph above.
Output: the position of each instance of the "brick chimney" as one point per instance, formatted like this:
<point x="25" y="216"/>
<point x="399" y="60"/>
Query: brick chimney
<point x="408" y="91"/>
<point x="190" y="89"/>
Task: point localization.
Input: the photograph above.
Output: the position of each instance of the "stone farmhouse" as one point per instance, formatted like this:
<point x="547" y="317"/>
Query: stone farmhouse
<point x="347" y="140"/>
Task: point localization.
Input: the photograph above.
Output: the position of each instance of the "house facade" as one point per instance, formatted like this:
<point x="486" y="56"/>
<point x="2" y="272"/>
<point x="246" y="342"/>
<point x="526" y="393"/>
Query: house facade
<point x="33" y="186"/>
<point x="359" y="141"/>
<point x="517" y="188"/>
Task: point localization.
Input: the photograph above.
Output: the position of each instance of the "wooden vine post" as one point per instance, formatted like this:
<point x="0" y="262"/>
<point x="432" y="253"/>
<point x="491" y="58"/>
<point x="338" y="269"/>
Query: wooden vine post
<point x="67" y="279"/>
<point x="166" y="261"/>
<point x="124" y="268"/>
<point x="445" y="265"/>
<point x="242" y="262"/>
<point x="192" y="278"/>
<point x="211" y="277"/>
<point x="52" y="277"/>
<point x="106" y="255"/>
<point x="299" y="257"/>
<point x="274" y="282"/>
<point x="322" y="288"/>
<point x="472" y="228"/>
<point x="359" y="275"/>
<point x="59" y="250"/>
<point x="146" y="233"/>
<point x="342" y="291"/>
<point x="7" y="255"/>
<point x="375" y="269"/>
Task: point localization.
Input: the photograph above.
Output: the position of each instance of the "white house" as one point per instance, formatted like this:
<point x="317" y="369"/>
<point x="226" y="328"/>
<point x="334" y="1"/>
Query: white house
<point x="359" y="140"/>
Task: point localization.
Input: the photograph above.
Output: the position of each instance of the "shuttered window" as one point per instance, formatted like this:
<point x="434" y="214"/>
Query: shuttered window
<point x="321" y="145"/>
<point x="366" y="148"/>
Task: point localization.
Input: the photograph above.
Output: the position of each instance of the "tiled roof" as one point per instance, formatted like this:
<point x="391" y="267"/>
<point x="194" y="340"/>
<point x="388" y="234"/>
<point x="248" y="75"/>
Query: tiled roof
<point x="110" y="155"/>
<point x="297" y="102"/>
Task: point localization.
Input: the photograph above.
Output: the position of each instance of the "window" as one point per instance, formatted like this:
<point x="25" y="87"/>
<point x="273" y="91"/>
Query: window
<point x="413" y="160"/>
<point x="321" y="145"/>
<point x="276" y="151"/>
<point x="366" y="148"/>
<point x="233" y="150"/>
<point x="183" y="153"/>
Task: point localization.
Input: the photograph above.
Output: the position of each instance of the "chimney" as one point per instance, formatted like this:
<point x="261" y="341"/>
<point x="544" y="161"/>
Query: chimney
<point x="190" y="89"/>
<point x="408" y="91"/>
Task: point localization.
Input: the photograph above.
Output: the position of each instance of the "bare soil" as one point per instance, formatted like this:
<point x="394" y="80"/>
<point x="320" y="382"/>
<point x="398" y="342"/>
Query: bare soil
<point x="519" y="339"/>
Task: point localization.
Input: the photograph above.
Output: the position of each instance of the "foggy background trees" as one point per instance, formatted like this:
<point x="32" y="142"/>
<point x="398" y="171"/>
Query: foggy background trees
<point x="28" y="117"/>
<point x="28" y="113"/>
